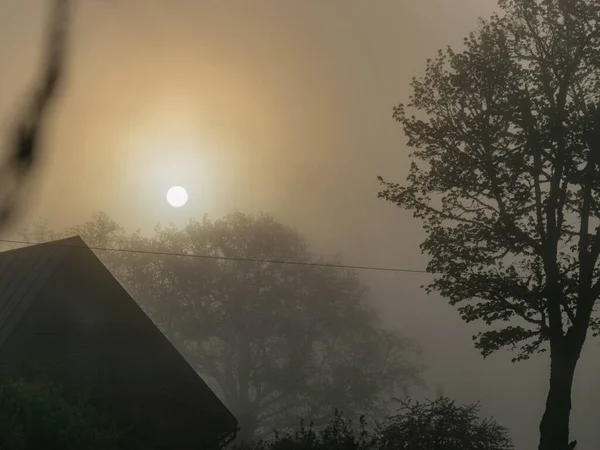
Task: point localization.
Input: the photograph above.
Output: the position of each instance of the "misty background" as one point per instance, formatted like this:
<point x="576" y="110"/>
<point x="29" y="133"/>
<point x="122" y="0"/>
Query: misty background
<point x="275" y="106"/>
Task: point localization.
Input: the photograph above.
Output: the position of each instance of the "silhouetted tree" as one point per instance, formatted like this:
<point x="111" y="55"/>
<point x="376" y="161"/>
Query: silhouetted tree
<point x="441" y="425"/>
<point x="276" y="341"/>
<point x="505" y="177"/>
<point x="101" y="233"/>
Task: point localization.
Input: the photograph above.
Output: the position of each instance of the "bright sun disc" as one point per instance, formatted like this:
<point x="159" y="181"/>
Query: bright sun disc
<point x="177" y="196"/>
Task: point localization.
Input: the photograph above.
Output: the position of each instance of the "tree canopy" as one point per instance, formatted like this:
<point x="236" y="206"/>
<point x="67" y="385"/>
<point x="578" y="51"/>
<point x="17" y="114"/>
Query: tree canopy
<point x="504" y="176"/>
<point x="275" y="341"/>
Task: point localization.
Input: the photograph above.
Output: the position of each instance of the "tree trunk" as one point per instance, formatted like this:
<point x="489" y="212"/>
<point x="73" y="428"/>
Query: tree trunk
<point x="554" y="427"/>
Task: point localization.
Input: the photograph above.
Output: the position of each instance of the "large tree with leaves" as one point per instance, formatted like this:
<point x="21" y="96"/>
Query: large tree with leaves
<point x="276" y="341"/>
<point x="505" y="176"/>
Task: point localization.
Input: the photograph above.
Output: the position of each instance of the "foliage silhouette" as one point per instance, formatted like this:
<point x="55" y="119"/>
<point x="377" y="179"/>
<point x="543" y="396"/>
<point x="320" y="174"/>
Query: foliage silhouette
<point x="339" y="434"/>
<point x="430" y="425"/>
<point x="505" y="177"/>
<point x="442" y="424"/>
<point x="275" y="341"/>
<point x="35" y="415"/>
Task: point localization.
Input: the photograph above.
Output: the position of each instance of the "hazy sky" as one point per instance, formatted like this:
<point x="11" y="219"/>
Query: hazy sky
<point x="281" y="106"/>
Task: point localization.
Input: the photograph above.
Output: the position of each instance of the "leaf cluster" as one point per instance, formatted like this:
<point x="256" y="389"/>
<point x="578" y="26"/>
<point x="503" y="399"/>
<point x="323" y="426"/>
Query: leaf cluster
<point x="505" y="173"/>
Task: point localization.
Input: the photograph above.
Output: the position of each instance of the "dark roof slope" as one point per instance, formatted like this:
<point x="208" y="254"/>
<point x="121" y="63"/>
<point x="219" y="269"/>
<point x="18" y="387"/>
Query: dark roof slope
<point x="97" y="332"/>
<point x="23" y="272"/>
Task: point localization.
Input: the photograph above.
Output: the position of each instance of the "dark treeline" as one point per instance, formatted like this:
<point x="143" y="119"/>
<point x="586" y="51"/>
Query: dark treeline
<point x="37" y="415"/>
<point x="275" y="341"/>
<point x="284" y="346"/>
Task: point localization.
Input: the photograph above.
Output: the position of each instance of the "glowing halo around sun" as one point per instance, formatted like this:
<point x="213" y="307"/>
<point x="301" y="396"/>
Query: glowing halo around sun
<point x="177" y="196"/>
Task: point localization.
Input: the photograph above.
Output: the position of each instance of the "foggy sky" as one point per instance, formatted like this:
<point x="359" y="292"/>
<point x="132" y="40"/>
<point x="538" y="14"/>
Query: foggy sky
<point x="281" y="106"/>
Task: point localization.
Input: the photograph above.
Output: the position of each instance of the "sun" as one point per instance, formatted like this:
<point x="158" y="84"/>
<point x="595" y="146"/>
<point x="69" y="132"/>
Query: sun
<point x="177" y="196"/>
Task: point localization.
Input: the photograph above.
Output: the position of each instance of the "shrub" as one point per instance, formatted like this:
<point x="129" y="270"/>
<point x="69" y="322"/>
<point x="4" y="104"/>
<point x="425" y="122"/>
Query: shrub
<point x="444" y="425"/>
<point x="35" y="415"/>
<point x="431" y="425"/>
<point x="340" y="434"/>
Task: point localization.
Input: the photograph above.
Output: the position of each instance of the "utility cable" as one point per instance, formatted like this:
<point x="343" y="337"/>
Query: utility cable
<point x="225" y="258"/>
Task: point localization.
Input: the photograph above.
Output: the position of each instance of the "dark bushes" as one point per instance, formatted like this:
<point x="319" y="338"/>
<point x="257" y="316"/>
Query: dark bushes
<point x="431" y="425"/>
<point x="35" y="415"/>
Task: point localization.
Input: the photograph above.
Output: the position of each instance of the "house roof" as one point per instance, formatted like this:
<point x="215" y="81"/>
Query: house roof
<point x="62" y="289"/>
<point x="23" y="272"/>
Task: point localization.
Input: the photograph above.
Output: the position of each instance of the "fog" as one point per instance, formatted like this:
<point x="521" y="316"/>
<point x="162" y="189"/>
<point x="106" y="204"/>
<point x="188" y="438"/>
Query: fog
<point x="276" y="106"/>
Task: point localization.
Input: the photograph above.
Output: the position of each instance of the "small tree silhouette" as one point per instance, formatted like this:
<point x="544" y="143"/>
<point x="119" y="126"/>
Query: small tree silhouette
<point x="441" y="424"/>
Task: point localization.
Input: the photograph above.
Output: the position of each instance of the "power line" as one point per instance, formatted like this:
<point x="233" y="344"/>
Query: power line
<point x="227" y="258"/>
